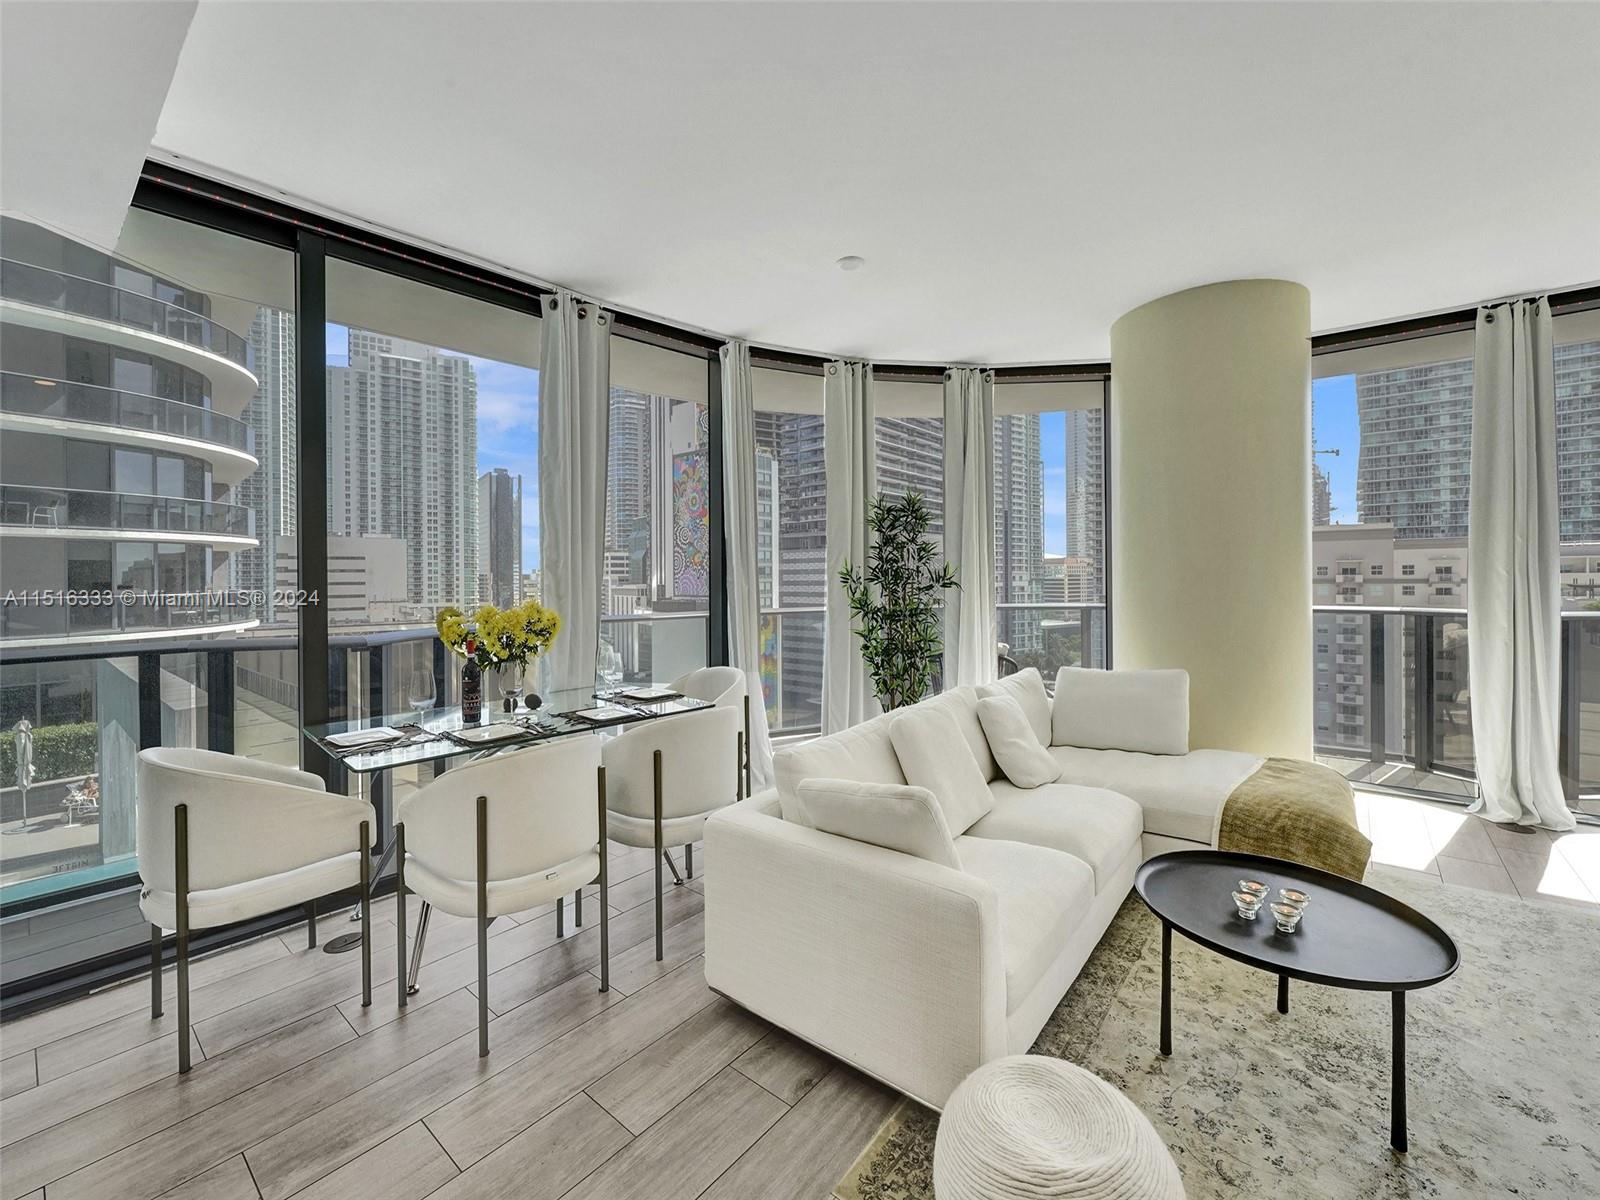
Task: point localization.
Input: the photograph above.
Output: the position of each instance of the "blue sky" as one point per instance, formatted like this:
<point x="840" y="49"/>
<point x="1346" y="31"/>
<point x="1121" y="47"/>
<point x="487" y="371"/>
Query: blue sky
<point x="1337" y="425"/>
<point x="1053" y="479"/>
<point x="508" y="428"/>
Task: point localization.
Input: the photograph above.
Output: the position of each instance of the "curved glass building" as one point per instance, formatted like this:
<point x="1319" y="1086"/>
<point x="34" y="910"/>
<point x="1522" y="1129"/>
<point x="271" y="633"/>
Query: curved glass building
<point x="122" y="448"/>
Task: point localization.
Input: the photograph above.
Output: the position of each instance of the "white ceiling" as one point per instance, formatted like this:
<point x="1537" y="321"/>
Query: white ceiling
<point x="1016" y="176"/>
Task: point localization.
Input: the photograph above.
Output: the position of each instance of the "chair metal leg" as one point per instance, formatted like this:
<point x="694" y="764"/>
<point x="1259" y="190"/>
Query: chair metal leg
<point x="400" y="911"/>
<point x="741" y="778"/>
<point x="744" y="751"/>
<point x="561" y="916"/>
<point x="423" y="914"/>
<point x="180" y="825"/>
<point x="688" y="860"/>
<point x="483" y="926"/>
<point x="661" y="852"/>
<point x="677" y="879"/>
<point x="577" y="909"/>
<point x="605" y="890"/>
<point x="155" y="972"/>
<point x="311" y="924"/>
<point x="366" y="916"/>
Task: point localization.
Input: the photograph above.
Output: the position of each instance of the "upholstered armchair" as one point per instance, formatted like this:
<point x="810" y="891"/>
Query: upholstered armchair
<point x="665" y="778"/>
<point x="222" y="839"/>
<point x="502" y="835"/>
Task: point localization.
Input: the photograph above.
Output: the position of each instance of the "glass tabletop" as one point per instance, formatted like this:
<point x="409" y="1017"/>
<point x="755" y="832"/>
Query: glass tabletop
<point x="441" y="733"/>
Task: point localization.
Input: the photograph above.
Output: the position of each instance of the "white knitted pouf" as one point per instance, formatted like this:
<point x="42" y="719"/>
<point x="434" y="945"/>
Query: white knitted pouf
<point x="1030" y="1126"/>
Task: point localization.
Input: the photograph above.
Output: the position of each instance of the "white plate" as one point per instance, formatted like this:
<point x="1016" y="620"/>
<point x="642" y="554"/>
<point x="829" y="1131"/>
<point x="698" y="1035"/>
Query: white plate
<point x="490" y="733"/>
<point x="381" y="735"/>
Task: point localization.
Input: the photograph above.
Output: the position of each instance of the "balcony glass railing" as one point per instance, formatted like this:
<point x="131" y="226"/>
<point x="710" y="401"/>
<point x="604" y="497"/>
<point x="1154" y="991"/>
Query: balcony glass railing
<point x="791" y="669"/>
<point x="90" y="404"/>
<point x="79" y="508"/>
<point x="1052" y="636"/>
<point x="1404" y="718"/>
<point x="45" y="288"/>
<point x="651" y="647"/>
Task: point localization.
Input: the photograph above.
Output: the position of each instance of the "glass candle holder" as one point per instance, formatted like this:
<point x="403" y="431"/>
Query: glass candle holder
<point x="1294" y="896"/>
<point x="1287" y="916"/>
<point x="1248" y="904"/>
<point x="1255" y="887"/>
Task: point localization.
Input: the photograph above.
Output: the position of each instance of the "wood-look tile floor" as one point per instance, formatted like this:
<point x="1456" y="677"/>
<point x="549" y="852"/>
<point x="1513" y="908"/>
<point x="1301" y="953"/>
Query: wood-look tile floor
<point x="657" y="1089"/>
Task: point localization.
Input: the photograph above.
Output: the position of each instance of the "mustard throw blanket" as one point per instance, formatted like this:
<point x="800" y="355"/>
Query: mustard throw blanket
<point x="1300" y="811"/>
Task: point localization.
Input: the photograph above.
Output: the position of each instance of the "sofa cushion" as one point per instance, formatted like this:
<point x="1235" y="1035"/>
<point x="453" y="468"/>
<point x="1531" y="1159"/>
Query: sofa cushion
<point x="1027" y="689"/>
<point x="962" y="705"/>
<point x="896" y="816"/>
<point x="933" y="754"/>
<point x="1098" y="826"/>
<point x="1180" y="794"/>
<point x="1017" y="751"/>
<point x="1043" y="895"/>
<point x="863" y="753"/>
<point x="1145" y="711"/>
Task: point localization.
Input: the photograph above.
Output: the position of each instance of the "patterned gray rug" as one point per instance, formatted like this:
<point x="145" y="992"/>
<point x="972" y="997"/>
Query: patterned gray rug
<point x="1503" y="1058"/>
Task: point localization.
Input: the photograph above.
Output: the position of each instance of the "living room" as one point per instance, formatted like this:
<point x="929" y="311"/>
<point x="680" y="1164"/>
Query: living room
<point x="822" y="600"/>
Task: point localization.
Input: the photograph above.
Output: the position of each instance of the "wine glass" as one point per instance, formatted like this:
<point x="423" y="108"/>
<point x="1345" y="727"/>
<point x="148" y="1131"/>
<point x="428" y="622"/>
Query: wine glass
<point x="513" y="680"/>
<point x="420" y="691"/>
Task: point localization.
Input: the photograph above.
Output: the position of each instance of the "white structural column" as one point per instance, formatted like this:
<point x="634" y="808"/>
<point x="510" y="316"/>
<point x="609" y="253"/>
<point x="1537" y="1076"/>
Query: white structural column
<point x="740" y="546"/>
<point x="1211" y="506"/>
<point x="848" y="449"/>
<point x="969" y="624"/>
<point x="574" y="419"/>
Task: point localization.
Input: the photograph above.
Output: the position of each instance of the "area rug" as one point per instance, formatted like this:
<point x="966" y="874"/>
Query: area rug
<point x="1503" y="1064"/>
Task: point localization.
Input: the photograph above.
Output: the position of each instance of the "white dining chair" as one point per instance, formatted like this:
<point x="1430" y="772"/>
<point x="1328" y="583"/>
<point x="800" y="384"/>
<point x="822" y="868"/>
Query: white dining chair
<point x="724" y="687"/>
<point x="664" y="778"/>
<point x="223" y="839"/>
<point x="501" y="835"/>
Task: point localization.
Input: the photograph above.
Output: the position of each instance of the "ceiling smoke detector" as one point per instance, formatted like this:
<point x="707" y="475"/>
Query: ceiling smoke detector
<point x="852" y="262"/>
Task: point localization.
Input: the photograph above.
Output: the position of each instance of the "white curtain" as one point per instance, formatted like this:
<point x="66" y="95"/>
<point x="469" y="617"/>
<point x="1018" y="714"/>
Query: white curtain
<point x="969" y="614"/>
<point x="740" y="548"/>
<point x="847" y="438"/>
<point x="574" y="414"/>
<point x="1513" y="557"/>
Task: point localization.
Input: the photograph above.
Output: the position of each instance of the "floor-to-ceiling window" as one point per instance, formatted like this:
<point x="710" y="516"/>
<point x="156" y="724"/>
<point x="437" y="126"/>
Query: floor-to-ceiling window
<point x="655" y="589"/>
<point x="791" y="553"/>
<point x="1577" y="379"/>
<point x="432" y="461"/>
<point x="1049" y="523"/>
<point x="1392" y="447"/>
<point x="146" y="467"/>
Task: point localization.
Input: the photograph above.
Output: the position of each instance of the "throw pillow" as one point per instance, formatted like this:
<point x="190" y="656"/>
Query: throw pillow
<point x="1027" y="689"/>
<point x="896" y="816"/>
<point x="1145" y="711"/>
<point x="934" y="755"/>
<point x="1025" y="762"/>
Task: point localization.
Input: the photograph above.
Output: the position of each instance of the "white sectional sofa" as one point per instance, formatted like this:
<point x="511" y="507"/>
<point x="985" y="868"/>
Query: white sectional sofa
<point x="917" y="972"/>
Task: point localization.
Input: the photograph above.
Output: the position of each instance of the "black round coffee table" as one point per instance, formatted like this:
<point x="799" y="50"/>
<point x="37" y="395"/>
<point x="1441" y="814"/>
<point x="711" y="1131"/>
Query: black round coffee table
<point x="1352" y="936"/>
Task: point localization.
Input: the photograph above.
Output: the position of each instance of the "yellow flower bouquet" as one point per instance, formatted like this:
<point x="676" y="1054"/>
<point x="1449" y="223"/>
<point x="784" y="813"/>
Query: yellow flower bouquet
<point x="505" y="636"/>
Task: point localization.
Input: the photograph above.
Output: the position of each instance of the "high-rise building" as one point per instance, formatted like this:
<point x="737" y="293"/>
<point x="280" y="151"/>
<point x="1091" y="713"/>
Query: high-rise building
<point x="402" y="460"/>
<point x="500" y="538"/>
<point x="1018" y="528"/>
<point x="1085" y="499"/>
<point x="1321" y="497"/>
<point x="270" y="491"/>
<point x="1578" y="440"/>
<point x="124" y="447"/>
<point x="628" y="473"/>
<point x="794" y="443"/>
<point x="1416" y="447"/>
<point x="910" y="458"/>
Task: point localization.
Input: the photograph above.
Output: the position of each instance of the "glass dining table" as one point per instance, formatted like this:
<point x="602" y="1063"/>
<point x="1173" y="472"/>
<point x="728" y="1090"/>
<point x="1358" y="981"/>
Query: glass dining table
<point x="372" y="745"/>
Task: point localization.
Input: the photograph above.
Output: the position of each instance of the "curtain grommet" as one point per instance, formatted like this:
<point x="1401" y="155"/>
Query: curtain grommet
<point x="554" y="304"/>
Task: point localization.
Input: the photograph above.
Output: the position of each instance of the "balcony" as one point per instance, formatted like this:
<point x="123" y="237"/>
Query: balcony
<point x="93" y="413"/>
<point x="1406" y="721"/>
<point x="88" y="308"/>
<point x="80" y="512"/>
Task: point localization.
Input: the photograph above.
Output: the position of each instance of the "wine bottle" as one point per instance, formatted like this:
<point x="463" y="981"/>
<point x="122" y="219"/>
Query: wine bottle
<point x="471" y="682"/>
